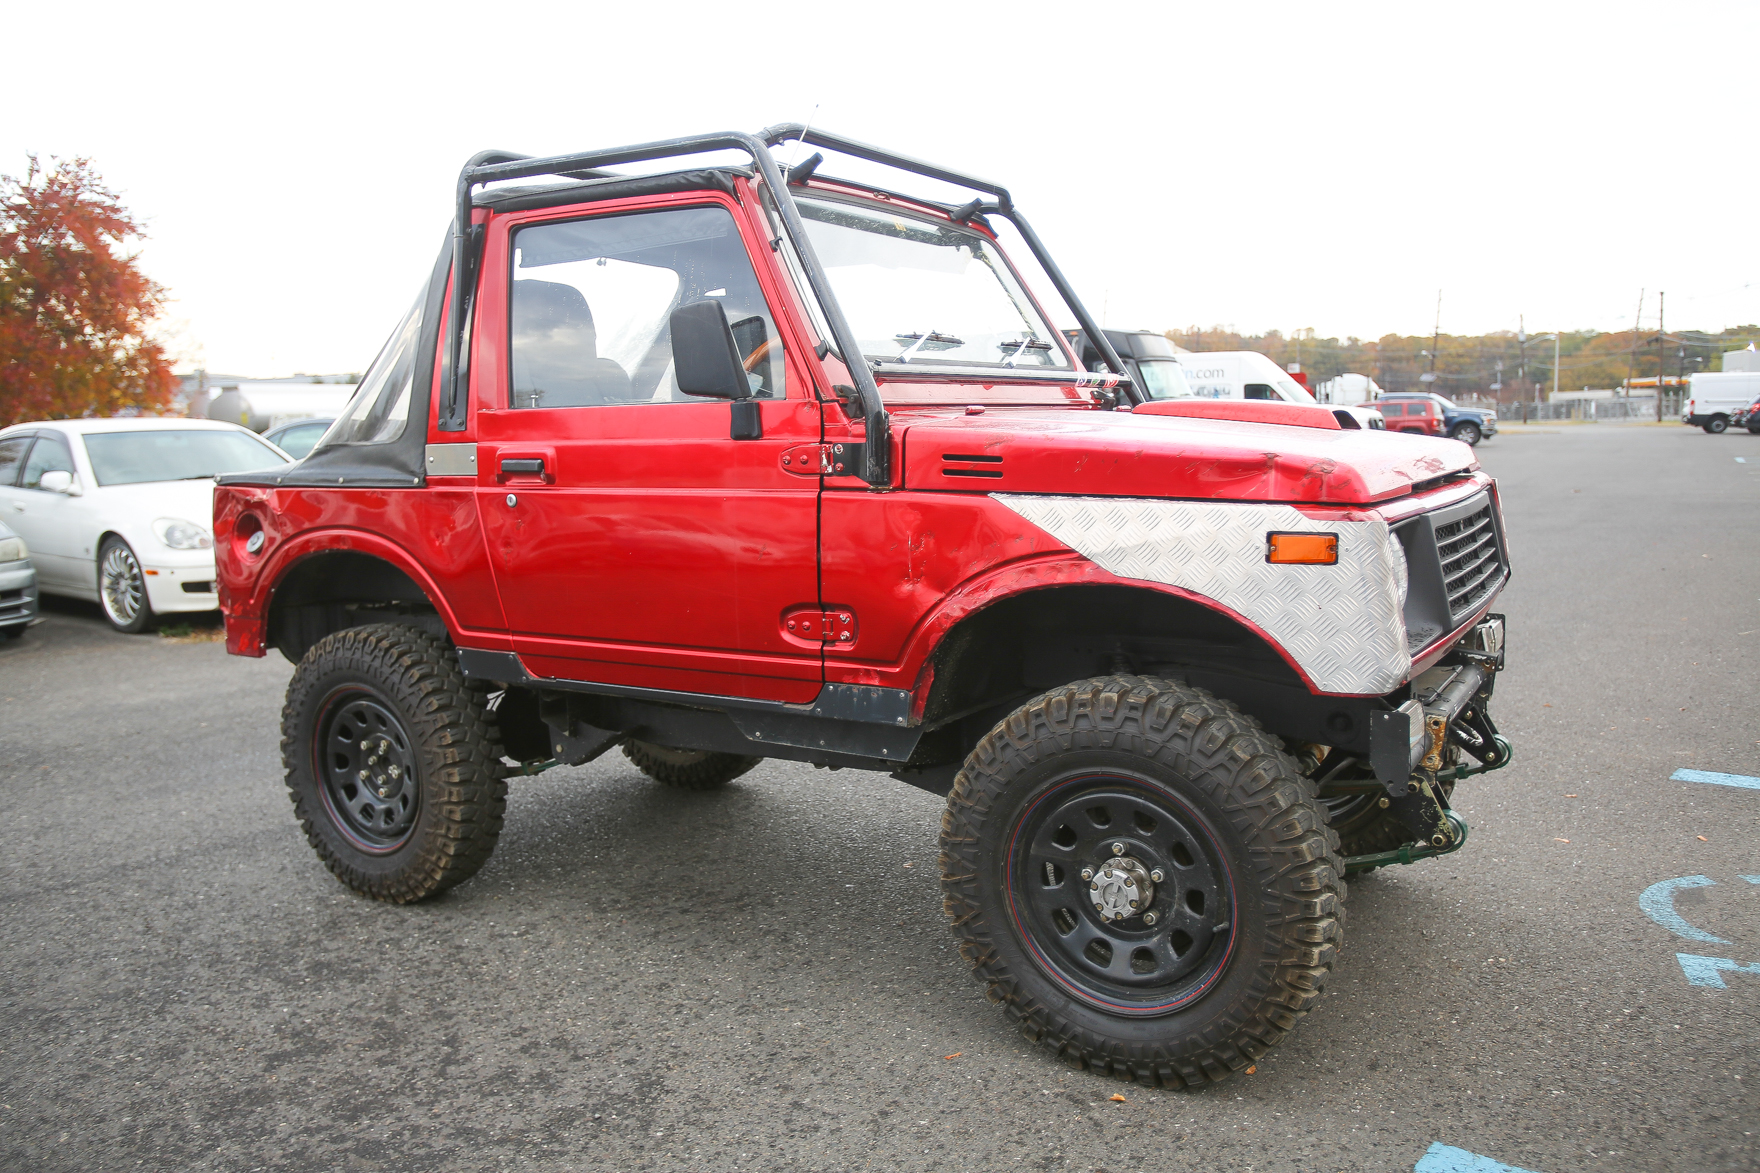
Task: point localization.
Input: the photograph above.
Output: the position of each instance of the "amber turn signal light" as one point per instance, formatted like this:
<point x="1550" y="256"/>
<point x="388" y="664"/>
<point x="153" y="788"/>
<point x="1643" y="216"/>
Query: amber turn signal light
<point x="1302" y="549"/>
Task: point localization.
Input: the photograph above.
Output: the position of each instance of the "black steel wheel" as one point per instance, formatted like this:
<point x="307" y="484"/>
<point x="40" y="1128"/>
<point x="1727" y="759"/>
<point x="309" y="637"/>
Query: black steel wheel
<point x="392" y="762"/>
<point x="1153" y="953"/>
<point x="372" y="789"/>
<point x="1122" y="789"/>
<point x="688" y="769"/>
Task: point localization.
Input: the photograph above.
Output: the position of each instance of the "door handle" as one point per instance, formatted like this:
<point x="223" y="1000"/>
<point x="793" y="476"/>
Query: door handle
<point x="533" y="466"/>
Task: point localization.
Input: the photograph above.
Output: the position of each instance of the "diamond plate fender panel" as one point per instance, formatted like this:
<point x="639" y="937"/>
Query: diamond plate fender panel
<point x="1343" y="624"/>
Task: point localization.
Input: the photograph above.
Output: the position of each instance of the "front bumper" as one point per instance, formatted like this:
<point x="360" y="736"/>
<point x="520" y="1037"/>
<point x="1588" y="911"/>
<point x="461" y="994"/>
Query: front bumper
<point x="1410" y="745"/>
<point x="18" y="593"/>
<point x="181" y="581"/>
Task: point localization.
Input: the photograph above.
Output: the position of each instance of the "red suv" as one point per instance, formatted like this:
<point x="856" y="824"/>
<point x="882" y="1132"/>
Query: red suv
<point x="728" y="463"/>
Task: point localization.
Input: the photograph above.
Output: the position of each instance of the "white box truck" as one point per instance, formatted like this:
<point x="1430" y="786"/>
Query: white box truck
<point x="1714" y="396"/>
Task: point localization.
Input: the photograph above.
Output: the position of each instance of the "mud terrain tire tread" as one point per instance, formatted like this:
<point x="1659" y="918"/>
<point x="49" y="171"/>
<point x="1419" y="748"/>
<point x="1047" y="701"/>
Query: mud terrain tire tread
<point x="709" y="770"/>
<point x="1294" y="875"/>
<point x="464" y="795"/>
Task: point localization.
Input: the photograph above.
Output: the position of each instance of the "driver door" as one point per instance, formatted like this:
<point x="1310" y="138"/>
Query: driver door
<point x="633" y="541"/>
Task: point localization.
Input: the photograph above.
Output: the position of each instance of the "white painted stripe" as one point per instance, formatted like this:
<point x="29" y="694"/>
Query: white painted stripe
<point x="1742" y="780"/>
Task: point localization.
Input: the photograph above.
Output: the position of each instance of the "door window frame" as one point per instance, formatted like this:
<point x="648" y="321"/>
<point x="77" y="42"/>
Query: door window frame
<point x="491" y="368"/>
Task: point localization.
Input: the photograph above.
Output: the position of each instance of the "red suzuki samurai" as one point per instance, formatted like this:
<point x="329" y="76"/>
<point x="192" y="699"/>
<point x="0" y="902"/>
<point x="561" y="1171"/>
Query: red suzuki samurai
<point x="737" y="462"/>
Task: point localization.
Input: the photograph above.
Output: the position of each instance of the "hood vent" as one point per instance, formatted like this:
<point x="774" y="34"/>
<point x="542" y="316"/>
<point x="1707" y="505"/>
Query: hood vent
<point x="949" y="458"/>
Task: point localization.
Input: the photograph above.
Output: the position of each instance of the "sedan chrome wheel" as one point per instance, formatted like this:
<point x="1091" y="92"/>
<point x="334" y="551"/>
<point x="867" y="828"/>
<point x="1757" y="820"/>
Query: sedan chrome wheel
<point x="122" y="589"/>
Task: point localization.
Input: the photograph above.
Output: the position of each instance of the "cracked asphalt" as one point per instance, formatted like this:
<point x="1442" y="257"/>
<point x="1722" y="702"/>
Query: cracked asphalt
<point x="759" y="978"/>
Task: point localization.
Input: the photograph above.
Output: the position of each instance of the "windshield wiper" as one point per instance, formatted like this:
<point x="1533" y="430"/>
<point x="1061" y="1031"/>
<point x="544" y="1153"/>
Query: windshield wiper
<point x="1027" y="343"/>
<point x="931" y="340"/>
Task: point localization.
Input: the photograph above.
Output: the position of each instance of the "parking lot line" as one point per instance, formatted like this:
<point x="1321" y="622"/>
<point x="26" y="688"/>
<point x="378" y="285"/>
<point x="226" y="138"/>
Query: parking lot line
<point x="1742" y="780"/>
<point x="1441" y="1158"/>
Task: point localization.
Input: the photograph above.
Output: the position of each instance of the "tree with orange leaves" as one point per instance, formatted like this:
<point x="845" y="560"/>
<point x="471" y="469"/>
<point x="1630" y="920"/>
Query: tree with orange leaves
<point x="74" y="307"/>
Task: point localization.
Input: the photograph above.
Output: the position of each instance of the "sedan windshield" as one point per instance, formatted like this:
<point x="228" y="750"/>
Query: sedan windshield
<point x="133" y="458"/>
<point x="924" y="292"/>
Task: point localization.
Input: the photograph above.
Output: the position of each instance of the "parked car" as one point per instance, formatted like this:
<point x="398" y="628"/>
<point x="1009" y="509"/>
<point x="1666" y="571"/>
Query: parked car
<point x="1466" y="424"/>
<point x="757" y="465"/>
<point x="1748" y="417"/>
<point x="18" y="585"/>
<point x="1417" y="415"/>
<point x="296" y="439"/>
<point x="1714" y="397"/>
<point x="120" y="511"/>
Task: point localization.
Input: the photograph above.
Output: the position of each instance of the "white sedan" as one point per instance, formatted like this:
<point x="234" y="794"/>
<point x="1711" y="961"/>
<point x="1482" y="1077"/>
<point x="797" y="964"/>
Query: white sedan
<point x="121" y="511"/>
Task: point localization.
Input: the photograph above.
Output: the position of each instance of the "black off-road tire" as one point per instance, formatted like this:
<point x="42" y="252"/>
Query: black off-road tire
<point x="1221" y="782"/>
<point x="688" y="769"/>
<point x="396" y="685"/>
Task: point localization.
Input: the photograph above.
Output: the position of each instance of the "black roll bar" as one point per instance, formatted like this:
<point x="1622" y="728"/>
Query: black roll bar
<point x="495" y="166"/>
<point x="876" y="452"/>
<point x="1004" y="206"/>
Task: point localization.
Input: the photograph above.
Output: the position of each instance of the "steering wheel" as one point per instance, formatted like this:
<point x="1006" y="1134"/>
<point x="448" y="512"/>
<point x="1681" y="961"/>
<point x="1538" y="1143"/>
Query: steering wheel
<point x="758" y="355"/>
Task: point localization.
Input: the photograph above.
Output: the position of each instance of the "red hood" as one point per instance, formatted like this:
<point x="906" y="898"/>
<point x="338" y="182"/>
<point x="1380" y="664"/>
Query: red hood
<point x="1116" y="454"/>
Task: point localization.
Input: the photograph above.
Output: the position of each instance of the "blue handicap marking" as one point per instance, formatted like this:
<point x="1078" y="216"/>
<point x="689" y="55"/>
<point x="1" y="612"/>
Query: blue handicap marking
<point x="1657" y="901"/>
<point x="1702" y="971"/>
<point x="1443" y="1158"/>
<point x="1743" y="780"/>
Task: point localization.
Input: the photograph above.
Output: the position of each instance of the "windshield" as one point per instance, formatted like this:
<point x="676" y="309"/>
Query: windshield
<point x="919" y="291"/>
<point x="133" y="458"/>
<point x="1163" y="379"/>
<point x="380" y="407"/>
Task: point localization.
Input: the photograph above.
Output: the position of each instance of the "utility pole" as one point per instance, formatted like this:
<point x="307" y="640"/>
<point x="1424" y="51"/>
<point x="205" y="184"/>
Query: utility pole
<point x="1522" y="342"/>
<point x="1661" y="341"/>
<point x="1632" y="359"/>
<point x="1554" y="370"/>
<point x="1436" y="337"/>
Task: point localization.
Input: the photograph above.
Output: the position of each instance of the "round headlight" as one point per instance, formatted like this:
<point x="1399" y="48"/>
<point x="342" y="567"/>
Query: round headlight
<point x="182" y="535"/>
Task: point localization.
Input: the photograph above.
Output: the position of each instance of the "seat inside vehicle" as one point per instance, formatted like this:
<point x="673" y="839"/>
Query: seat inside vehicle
<point x="556" y="359"/>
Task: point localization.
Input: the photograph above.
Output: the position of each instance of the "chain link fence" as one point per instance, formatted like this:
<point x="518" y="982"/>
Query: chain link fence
<point x="1634" y="407"/>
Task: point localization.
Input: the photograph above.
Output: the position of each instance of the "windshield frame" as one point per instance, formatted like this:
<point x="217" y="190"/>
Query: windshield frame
<point x="923" y="362"/>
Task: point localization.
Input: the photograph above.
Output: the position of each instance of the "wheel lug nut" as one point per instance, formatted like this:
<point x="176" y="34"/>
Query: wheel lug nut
<point x="1087" y="873"/>
<point x="1118" y="849"/>
<point x="1156" y="875"/>
<point x="1150" y="918"/>
<point x="366" y="744"/>
<point x="363" y="775"/>
<point x="397" y="773"/>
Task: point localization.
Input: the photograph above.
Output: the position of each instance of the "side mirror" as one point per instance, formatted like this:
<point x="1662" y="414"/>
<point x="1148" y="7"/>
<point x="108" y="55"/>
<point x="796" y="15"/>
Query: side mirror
<point x="58" y="481"/>
<point x="704" y="356"/>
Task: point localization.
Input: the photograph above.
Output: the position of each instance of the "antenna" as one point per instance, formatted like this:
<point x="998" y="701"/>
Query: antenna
<point x="795" y="153"/>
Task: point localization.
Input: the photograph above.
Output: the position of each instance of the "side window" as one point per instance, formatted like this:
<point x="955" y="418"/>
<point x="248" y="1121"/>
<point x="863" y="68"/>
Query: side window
<point x="591" y="303"/>
<point x="12" y="451"/>
<point x="48" y="454"/>
<point x="1260" y="391"/>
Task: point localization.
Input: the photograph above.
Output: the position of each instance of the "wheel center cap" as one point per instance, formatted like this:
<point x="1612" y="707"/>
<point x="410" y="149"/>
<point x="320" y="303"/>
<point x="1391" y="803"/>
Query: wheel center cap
<point x="1121" y="888"/>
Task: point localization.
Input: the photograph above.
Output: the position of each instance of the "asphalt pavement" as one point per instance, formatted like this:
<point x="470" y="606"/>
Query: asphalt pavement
<point x="760" y="977"/>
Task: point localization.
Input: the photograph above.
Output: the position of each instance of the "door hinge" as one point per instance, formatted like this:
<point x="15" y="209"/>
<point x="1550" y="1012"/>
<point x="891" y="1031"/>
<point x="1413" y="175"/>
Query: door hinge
<point x="819" y="625"/>
<point x="843" y="459"/>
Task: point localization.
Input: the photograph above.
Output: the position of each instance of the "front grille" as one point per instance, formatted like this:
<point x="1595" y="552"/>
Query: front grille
<point x="1472" y="564"/>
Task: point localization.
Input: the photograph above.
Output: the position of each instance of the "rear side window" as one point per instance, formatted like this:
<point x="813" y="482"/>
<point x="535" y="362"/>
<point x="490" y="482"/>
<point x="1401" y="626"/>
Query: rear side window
<point x="48" y="454"/>
<point x="12" y="451"/>
<point x="591" y="303"/>
<point x="379" y="411"/>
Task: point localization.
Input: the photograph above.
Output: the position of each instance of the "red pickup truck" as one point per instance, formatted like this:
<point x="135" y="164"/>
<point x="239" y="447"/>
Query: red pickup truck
<point x="735" y="462"/>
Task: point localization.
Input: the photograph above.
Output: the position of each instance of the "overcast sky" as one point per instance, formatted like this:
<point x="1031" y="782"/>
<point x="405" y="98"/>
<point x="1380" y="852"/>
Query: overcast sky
<point x="1260" y="165"/>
